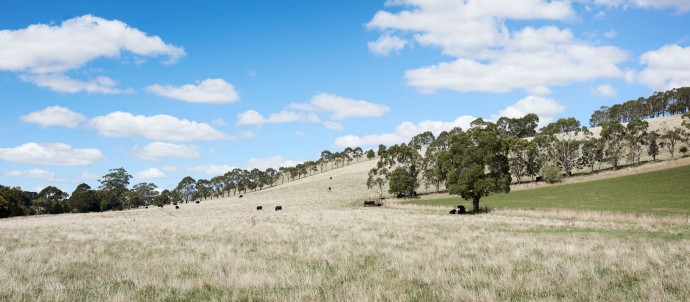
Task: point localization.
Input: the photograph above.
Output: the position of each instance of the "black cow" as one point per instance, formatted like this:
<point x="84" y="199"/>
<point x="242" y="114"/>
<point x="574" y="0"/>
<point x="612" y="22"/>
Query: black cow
<point x="146" y="207"/>
<point x="331" y="177"/>
<point x="538" y="178"/>
<point x="329" y="189"/>
<point x="453" y="211"/>
<point x="177" y="207"/>
<point x="260" y="208"/>
<point x="160" y="205"/>
<point x="461" y="209"/>
<point x="400" y="196"/>
<point x="279" y="208"/>
<point x="414" y="193"/>
<point x="240" y="195"/>
<point x="197" y="201"/>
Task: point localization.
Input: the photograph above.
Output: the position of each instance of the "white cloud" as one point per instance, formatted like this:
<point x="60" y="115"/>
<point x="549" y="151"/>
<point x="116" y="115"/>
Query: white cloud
<point x="159" y="150"/>
<point x="333" y="125"/>
<point x="245" y="134"/>
<point x="55" y="116"/>
<point x="604" y="90"/>
<point x="219" y="122"/>
<point x="611" y="34"/>
<point x="150" y="173"/>
<point x="58" y="154"/>
<point x="403" y="132"/>
<point x="169" y="168"/>
<point x="545" y="108"/>
<point x="211" y="169"/>
<point x="300" y="133"/>
<point x="33" y="173"/>
<point x="156" y="127"/>
<point x="385" y="44"/>
<point x="678" y="5"/>
<point x="213" y="91"/>
<point x="41" y="48"/>
<point x="88" y="176"/>
<point x="61" y="83"/>
<point x="667" y="67"/>
<point x="252" y="117"/>
<point x="341" y="108"/>
<point x="488" y="56"/>
<point x="274" y="162"/>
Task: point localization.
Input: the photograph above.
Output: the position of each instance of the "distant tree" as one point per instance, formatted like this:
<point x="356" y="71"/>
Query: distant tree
<point x="84" y="200"/>
<point x="204" y="188"/>
<point x="636" y="132"/>
<point x="552" y="174"/>
<point x="378" y="178"/>
<point x="145" y="193"/>
<point x="114" y="186"/>
<point x="592" y="152"/>
<point x="652" y="140"/>
<point x="519" y="156"/>
<point x="614" y="133"/>
<point x="163" y="198"/>
<point x="4" y="207"/>
<point x="559" y="142"/>
<point x="518" y="127"/>
<point x="683" y="149"/>
<point x="670" y="138"/>
<point x="421" y="140"/>
<point x="371" y="154"/>
<point x="51" y="200"/>
<point x="401" y="182"/>
<point x="18" y="202"/>
<point x="477" y="166"/>
<point x="186" y="189"/>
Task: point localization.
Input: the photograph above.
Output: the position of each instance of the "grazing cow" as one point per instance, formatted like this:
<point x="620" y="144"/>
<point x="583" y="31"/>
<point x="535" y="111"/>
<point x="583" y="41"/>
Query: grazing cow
<point x="177" y="207"/>
<point x="369" y="203"/>
<point x="461" y="209"/>
<point x="329" y="189"/>
<point x="538" y="178"/>
<point x="400" y="196"/>
<point x="240" y="195"/>
<point x="160" y="205"/>
<point x="146" y="207"/>
<point x="197" y="201"/>
<point x="414" y="193"/>
<point x="331" y="177"/>
<point x="260" y="208"/>
<point x="279" y="208"/>
<point x="453" y="211"/>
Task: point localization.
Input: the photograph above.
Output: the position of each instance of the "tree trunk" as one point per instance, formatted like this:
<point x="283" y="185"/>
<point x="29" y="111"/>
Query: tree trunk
<point x="475" y="204"/>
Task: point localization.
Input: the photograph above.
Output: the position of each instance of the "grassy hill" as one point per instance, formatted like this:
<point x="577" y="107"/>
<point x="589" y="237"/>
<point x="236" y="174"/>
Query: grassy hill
<point x="665" y="191"/>
<point x="324" y="246"/>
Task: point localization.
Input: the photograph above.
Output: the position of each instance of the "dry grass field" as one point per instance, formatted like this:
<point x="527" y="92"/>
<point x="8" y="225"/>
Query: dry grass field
<point x="325" y="246"/>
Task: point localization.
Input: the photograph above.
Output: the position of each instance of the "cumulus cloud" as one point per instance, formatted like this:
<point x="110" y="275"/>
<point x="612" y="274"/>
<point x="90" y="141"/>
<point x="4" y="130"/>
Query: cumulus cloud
<point x="274" y="162"/>
<point x="604" y="90"/>
<point x="213" y="91"/>
<point x="150" y="173"/>
<point x="404" y="132"/>
<point x="341" y="108"/>
<point x="680" y="6"/>
<point x="386" y="44"/>
<point x="333" y="125"/>
<point x="33" y="173"/>
<point x="245" y="135"/>
<point x="43" y="53"/>
<point x="65" y="84"/>
<point x="42" y="48"/>
<point x="88" y="176"/>
<point x="156" y="127"/>
<point x="252" y="117"/>
<point x="488" y="56"/>
<point x="211" y="169"/>
<point x="57" y="154"/>
<point x="160" y="150"/>
<point x="545" y="108"/>
<point x="55" y="116"/>
<point x="667" y="67"/>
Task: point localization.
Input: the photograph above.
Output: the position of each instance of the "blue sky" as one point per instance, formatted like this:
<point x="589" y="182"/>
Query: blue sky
<point x="171" y="90"/>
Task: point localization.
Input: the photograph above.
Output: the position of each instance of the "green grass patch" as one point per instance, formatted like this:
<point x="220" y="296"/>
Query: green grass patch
<point x="659" y="192"/>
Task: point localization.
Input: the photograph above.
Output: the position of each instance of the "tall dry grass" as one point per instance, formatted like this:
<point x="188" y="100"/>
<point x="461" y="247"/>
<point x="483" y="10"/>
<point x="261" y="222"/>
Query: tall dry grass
<point x="324" y="246"/>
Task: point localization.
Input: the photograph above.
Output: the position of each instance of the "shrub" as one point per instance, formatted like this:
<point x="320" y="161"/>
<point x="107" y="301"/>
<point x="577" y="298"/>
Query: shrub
<point x="552" y="174"/>
<point x="683" y="150"/>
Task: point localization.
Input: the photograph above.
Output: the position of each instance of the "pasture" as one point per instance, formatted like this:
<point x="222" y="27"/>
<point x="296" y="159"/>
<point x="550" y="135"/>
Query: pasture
<point x="664" y="191"/>
<point x="326" y="246"/>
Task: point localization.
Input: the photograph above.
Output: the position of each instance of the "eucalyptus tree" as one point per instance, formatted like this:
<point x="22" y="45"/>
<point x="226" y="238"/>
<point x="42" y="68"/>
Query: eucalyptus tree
<point x="145" y="193"/>
<point x="559" y="142"/>
<point x="670" y="138"/>
<point x="84" y="200"/>
<point x="371" y="154"/>
<point x="614" y="134"/>
<point x="114" y="187"/>
<point x="476" y="163"/>
<point x="218" y="185"/>
<point x="592" y="152"/>
<point x="204" y="188"/>
<point x="422" y="140"/>
<point x="636" y="132"/>
<point x="51" y="200"/>
<point x="186" y="189"/>
<point x="378" y="178"/>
